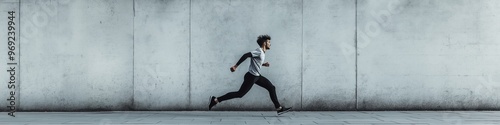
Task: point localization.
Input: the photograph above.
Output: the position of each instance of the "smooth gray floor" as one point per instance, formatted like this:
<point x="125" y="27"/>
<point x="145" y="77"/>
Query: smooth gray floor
<point x="255" y="117"/>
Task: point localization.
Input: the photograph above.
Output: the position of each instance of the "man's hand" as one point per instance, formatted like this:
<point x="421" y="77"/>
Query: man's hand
<point x="266" y="64"/>
<point x="233" y="68"/>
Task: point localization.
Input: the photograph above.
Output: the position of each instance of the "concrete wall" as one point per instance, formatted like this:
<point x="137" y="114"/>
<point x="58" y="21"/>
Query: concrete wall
<point x="161" y="55"/>
<point x="329" y="70"/>
<point x="326" y="54"/>
<point x="429" y="54"/>
<point x="77" y="55"/>
<point x="10" y="80"/>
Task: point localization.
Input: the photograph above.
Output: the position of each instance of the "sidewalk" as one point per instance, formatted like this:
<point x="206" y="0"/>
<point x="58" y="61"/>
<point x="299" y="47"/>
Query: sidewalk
<point x="254" y="118"/>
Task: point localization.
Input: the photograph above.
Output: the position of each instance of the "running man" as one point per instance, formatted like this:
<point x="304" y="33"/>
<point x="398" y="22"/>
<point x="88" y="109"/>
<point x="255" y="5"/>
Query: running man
<point x="253" y="76"/>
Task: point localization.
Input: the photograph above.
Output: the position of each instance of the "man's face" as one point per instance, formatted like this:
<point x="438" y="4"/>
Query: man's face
<point x="268" y="44"/>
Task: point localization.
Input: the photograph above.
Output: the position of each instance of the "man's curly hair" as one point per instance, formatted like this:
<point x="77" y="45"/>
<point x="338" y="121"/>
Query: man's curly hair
<point x="263" y="38"/>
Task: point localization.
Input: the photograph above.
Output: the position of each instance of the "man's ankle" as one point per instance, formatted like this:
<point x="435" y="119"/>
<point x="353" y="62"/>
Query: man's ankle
<point x="279" y="108"/>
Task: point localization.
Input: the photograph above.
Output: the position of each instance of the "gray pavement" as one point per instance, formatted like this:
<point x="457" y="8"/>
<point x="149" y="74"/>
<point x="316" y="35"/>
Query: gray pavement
<point x="255" y="118"/>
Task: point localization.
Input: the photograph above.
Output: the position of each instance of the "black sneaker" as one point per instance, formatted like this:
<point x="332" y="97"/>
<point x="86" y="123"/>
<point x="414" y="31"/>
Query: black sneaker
<point x="283" y="110"/>
<point x="212" y="103"/>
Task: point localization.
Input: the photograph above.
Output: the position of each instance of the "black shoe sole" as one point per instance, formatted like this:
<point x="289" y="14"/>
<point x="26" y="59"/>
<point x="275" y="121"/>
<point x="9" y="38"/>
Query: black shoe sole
<point x="284" y="111"/>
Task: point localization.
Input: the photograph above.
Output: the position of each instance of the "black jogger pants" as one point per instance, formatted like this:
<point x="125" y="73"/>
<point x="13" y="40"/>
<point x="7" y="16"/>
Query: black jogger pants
<point x="248" y="82"/>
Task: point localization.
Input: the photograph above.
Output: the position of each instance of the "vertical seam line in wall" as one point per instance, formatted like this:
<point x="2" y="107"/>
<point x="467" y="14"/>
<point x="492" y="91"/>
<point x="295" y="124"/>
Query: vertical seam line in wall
<point x="189" y="81"/>
<point x="133" y="56"/>
<point x="19" y="85"/>
<point x="302" y="62"/>
<point x="356" y="54"/>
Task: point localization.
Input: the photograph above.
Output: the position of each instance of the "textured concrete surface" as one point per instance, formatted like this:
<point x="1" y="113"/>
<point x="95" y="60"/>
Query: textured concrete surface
<point x="256" y="118"/>
<point x="325" y="54"/>
<point x="5" y="7"/>
<point x="161" y="55"/>
<point x="430" y="54"/>
<point x="80" y="57"/>
<point x="328" y="71"/>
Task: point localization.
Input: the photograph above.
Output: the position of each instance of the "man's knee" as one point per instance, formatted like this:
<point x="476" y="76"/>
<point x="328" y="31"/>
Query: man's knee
<point x="272" y="88"/>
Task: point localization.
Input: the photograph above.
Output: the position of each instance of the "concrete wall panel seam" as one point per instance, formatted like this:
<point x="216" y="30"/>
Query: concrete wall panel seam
<point x="356" y="52"/>
<point x="302" y="60"/>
